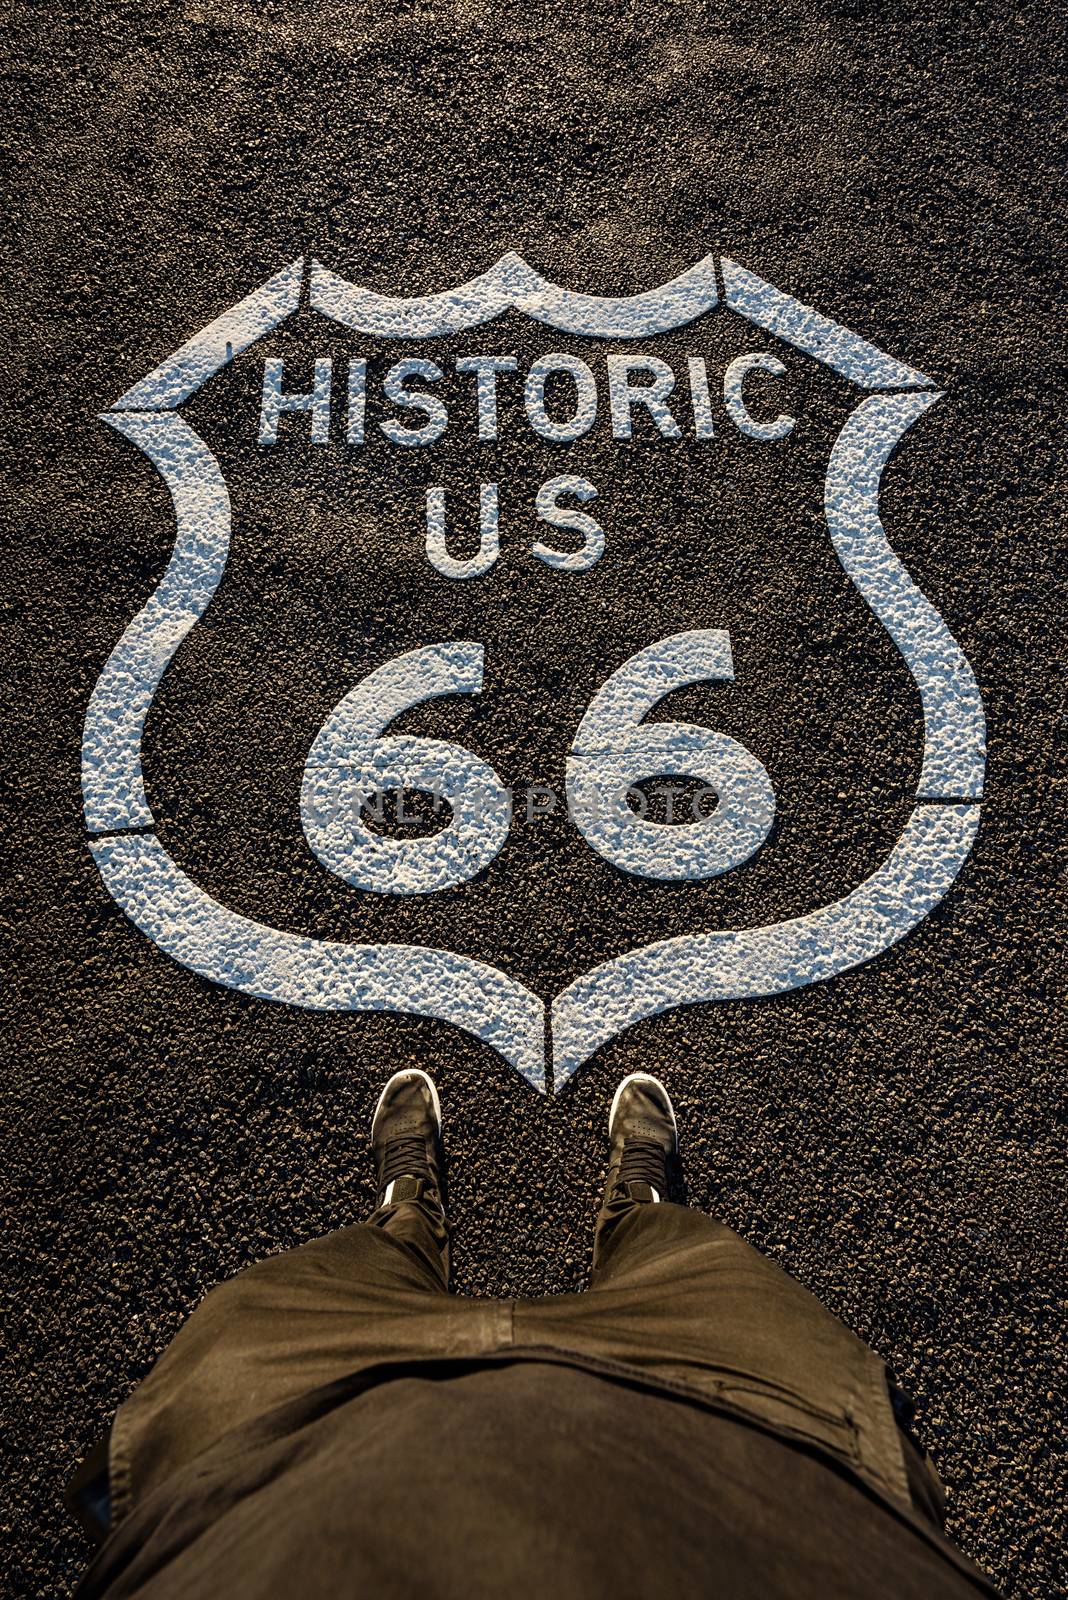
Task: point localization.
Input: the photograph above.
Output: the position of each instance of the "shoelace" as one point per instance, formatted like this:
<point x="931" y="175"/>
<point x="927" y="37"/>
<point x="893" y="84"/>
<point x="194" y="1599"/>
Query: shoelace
<point x="642" y="1162"/>
<point x="405" y="1157"/>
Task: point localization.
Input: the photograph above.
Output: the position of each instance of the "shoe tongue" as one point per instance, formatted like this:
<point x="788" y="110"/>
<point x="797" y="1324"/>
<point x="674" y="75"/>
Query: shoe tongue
<point x="404" y="1188"/>
<point x="641" y="1191"/>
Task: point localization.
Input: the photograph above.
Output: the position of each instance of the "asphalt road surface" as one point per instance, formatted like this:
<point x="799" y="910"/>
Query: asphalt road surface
<point x="873" y="1097"/>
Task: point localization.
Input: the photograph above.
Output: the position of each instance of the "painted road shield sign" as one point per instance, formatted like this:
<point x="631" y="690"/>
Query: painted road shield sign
<point x="526" y="778"/>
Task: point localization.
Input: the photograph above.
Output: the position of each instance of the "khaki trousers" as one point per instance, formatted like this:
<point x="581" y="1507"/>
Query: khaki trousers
<point x="676" y="1300"/>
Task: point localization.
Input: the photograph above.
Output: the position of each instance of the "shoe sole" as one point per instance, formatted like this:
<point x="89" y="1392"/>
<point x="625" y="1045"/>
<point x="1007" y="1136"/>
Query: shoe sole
<point x="409" y="1072"/>
<point x="642" y="1077"/>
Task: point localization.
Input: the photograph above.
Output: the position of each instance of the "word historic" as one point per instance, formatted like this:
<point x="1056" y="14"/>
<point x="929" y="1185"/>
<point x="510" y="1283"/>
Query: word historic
<point x="634" y="383"/>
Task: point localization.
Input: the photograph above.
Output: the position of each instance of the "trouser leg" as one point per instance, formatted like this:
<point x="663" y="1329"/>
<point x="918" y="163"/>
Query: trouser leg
<point x="421" y="1228"/>
<point x="628" y="1232"/>
<point x="364" y="1294"/>
<point x="678" y="1279"/>
<point x="683" y="1298"/>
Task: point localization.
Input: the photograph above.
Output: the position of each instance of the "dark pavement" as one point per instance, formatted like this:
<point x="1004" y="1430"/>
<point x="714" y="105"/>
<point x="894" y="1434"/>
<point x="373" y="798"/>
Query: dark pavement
<point x="894" y="1137"/>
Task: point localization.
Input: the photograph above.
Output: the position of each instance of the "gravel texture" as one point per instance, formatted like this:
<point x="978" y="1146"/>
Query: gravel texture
<point x="894" y="1137"/>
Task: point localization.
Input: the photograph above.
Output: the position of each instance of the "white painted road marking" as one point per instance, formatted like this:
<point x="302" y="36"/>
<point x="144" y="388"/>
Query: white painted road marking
<point x="697" y="966"/>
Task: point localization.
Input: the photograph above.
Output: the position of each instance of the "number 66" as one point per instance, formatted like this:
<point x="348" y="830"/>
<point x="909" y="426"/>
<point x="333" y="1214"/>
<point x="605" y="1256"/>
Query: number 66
<point x="352" y="758"/>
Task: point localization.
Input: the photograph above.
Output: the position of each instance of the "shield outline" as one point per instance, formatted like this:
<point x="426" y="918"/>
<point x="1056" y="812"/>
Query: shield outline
<point x="749" y="963"/>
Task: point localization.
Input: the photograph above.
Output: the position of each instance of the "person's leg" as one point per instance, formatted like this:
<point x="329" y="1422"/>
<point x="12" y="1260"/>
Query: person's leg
<point x="367" y="1293"/>
<point x="643" y="1143"/>
<point x="684" y="1299"/>
<point x="406" y="1139"/>
<point x="419" y="1227"/>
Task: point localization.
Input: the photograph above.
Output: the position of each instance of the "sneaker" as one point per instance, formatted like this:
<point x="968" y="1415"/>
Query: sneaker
<point x="406" y="1139"/>
<point x="643" y="1137"/>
